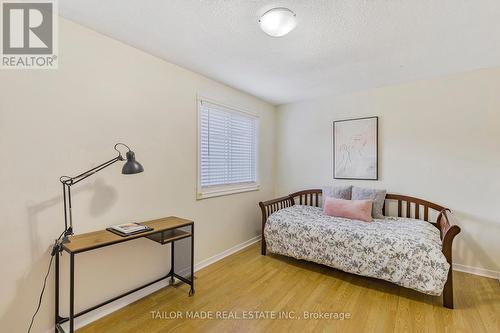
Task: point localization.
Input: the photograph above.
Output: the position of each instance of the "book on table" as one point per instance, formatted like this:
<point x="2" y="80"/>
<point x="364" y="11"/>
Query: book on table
<point x="127" y="229"/>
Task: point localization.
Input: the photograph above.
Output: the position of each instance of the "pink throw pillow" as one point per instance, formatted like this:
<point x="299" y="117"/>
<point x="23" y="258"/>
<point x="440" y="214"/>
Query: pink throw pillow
<point x="349" y="209"/>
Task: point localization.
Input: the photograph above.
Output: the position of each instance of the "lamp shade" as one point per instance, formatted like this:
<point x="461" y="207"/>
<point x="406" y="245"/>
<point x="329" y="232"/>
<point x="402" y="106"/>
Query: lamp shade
<point x="131" y="166"/>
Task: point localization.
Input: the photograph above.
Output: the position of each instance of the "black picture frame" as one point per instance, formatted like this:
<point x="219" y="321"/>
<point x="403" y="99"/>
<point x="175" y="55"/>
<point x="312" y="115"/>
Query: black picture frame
<point x="376" y="118"/>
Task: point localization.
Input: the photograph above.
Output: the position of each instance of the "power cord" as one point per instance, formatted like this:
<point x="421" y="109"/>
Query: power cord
<point x="55" y="251"/>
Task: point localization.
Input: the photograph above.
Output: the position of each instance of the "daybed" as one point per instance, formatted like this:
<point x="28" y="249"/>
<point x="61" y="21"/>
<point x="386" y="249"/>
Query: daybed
<point x="407" y="250"/>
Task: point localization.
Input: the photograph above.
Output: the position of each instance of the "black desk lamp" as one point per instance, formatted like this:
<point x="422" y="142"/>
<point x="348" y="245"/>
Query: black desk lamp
<point x="129" y="168"/>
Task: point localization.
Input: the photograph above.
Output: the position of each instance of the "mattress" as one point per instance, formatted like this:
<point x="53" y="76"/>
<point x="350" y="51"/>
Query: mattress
<point x="404" y="251"/>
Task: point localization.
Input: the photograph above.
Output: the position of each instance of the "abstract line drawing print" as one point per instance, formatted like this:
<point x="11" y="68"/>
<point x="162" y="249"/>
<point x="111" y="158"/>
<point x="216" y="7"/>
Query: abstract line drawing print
<point x="355" y="150"/>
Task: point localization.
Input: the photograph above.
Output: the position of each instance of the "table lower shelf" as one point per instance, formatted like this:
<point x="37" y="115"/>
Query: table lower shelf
<point x="168" y="236"/>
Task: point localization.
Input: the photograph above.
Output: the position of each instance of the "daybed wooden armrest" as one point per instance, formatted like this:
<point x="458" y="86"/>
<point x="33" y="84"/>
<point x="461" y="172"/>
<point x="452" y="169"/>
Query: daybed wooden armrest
<point x="448" y="231"/>
<point x="269" y="207"/>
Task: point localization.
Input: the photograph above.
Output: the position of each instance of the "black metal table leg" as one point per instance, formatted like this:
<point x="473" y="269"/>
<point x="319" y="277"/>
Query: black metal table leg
<point x="72" y="294"/>
<point x="191" y="291"/>
<point x="57" y="291"/>
<point x="172" y="256"/>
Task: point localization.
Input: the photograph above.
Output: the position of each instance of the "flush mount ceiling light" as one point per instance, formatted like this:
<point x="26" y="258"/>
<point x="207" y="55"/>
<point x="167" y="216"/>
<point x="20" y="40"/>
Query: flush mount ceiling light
<point x="278" y="22"/>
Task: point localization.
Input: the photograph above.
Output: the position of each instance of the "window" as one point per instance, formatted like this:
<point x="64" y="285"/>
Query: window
<point x="227" y="150"/>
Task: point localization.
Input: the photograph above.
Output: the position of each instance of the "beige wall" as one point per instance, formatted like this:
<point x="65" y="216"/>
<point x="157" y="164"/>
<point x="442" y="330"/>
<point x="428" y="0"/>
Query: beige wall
<point x="439" y="140"/>
<point x="60" y="122"/>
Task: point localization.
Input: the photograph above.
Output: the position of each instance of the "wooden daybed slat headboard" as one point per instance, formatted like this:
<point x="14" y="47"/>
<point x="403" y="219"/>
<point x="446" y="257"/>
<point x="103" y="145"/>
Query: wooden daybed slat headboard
<point x="312" y="197"/>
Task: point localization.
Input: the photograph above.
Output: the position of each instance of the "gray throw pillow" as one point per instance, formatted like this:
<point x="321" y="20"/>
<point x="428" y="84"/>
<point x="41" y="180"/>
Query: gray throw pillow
<point x="378" y="197"/>
<point x="337" y="192"/>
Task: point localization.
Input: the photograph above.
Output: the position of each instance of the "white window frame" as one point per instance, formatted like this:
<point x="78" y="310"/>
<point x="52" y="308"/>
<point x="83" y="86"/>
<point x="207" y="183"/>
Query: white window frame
<point x="220" y="190"/>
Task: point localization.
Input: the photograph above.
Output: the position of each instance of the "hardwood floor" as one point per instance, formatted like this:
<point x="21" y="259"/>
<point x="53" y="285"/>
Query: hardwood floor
<point x="247" y="281"/>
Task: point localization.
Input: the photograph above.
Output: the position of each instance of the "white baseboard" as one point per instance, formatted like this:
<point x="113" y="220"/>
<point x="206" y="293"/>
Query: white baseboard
<point x="122" y="302"/>
<point x="476" y="271"/>
<point x="228" y="252"/>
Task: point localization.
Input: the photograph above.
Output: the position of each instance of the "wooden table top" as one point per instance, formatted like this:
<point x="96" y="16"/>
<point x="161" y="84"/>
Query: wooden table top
<point x="96" y="239"/>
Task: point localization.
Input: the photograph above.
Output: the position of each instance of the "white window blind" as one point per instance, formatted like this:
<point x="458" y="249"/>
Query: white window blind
<point x="228" y="144"/>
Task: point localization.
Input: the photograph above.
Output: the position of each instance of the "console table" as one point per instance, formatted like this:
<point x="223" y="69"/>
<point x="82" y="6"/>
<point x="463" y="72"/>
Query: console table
<point x="165" y="230"/>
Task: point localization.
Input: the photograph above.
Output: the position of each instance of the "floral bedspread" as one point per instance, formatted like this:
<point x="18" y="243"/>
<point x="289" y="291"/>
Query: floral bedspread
<point x="400" y="250"/>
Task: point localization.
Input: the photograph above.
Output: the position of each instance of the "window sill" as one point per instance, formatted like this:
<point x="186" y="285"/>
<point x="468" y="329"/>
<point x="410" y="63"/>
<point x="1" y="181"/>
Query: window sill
<point x="226" y="190"/>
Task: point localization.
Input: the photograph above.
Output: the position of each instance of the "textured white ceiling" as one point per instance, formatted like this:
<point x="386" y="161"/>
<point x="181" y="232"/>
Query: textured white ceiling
<point x="338" y="46"/>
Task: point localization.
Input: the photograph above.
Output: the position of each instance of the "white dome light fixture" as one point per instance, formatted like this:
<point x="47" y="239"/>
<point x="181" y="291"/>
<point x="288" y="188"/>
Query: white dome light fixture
<point x="277" y="22"/>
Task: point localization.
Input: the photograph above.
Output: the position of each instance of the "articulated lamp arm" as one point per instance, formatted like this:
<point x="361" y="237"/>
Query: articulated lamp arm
<point x="130" y="167"/>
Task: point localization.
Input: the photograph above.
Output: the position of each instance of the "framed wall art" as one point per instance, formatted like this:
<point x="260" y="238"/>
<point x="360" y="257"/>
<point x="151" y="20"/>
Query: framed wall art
<point x="355" y="148"/>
